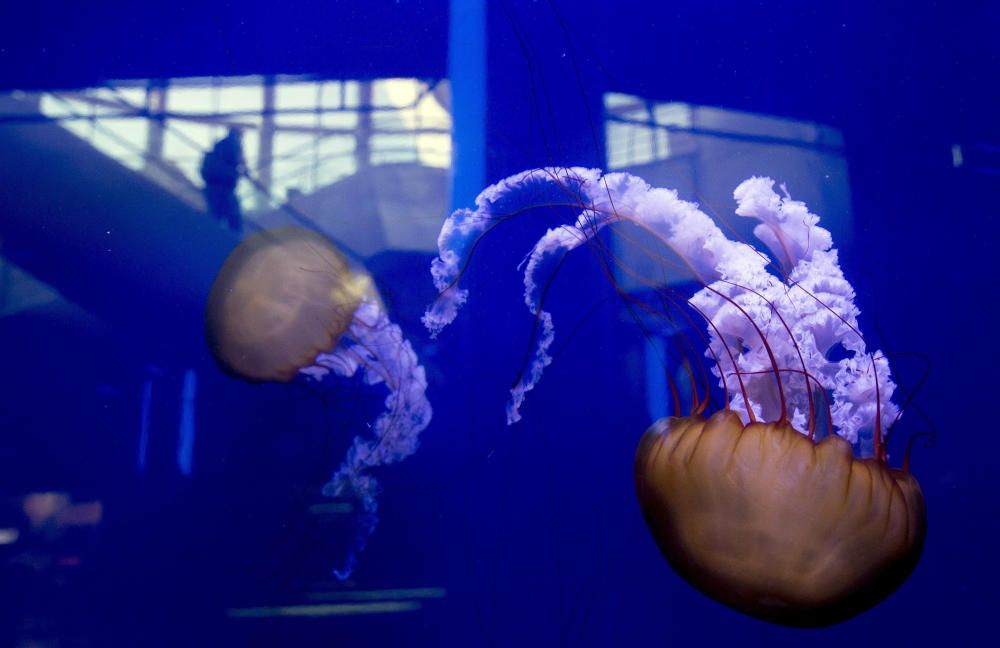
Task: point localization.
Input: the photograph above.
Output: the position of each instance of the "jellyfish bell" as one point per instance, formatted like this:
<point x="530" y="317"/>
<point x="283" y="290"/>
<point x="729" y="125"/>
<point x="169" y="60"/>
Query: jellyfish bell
<point x="287" y="305"/>
<point x="763" y="519"/>
<point x="282" y="297"/>
<point x="745" y="504"/>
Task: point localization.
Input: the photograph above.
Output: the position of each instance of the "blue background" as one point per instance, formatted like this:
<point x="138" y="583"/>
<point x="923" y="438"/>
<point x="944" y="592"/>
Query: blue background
<point x="532" y="530"/>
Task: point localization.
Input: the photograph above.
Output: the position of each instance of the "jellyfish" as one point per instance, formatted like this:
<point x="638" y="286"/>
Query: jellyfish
<point x="782" y="503"/>
<point x="287" y="305"/>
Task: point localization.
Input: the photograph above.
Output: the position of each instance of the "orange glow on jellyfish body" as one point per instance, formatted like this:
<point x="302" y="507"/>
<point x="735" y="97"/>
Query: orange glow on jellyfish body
<point x="747" y="505"/>
<point x="771" y="523"/>
<point x="281" y="298"/>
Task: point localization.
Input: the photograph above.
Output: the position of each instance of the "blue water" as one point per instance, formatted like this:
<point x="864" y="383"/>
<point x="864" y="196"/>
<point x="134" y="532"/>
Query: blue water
<point x="211" y="529"/>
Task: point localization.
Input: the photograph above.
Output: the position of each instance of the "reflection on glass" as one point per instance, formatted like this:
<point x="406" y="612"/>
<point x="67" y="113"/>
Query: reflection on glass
<point x="298" y="134"/>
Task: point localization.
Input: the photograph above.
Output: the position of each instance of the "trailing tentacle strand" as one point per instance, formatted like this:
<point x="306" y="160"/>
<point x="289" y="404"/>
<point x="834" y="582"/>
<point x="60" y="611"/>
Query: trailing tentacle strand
<point x="763" y="322"/>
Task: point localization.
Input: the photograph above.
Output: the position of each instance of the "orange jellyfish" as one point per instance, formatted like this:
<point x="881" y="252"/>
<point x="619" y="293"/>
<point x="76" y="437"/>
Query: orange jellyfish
<point x="286" y="304"/>
<point x="768" y="521"/>
<point x="282" y="297"/>
<point x="763" y="505"/>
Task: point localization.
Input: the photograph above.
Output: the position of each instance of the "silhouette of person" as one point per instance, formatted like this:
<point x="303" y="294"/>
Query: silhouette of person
<point x="221" y="169"/>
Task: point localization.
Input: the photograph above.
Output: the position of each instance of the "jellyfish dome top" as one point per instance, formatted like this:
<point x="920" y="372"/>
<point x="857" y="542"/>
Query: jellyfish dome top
<point x="282" y="296"/>
<point x="287" y="305"/>
<point x="763" y="505"/>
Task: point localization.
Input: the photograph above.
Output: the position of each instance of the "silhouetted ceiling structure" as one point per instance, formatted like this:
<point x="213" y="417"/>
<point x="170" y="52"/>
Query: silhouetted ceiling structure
<point x="805" y="60"/>
<point x="79" y="44"/>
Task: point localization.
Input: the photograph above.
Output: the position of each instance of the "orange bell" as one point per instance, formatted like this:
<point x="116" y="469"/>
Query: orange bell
<point x="776" y="525"/>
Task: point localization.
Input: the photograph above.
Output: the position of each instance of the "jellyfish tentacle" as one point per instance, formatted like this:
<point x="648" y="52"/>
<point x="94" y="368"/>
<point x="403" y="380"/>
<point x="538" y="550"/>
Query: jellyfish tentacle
<point x="687" y="231"/>
<point x="377" y="346"/>
<point x="787" y="227"/>
<point x="821" y="312"/>
<point x="669" y="301"/>
<point x="692" y="235"/>
<point x="802" y="362"/>
<point x="748" y="333"/>
<point x="554" y="244"/>
<point x="464" y="227"/>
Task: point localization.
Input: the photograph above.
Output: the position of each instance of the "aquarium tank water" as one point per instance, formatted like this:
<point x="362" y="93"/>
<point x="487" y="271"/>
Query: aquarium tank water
<point x="498" y="323"/>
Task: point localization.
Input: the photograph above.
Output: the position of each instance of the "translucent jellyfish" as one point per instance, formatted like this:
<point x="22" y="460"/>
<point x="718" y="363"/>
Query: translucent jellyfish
<point x="750" y="505"/>
<point x="287" y="304"/>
